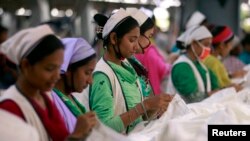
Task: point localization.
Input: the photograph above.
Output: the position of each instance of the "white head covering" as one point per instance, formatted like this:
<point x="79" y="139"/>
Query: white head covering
<point x="113" y="21"/>
<point x="76" y="49"/>
<point x="13" y="128"/>
<point x="137" y="14"/>
<point x="194" y="33"/>
<point x="23" y="42"/>
<point x="196" y="19"/>
<point x="236" y="41"/>
<point x="148" y="12"/>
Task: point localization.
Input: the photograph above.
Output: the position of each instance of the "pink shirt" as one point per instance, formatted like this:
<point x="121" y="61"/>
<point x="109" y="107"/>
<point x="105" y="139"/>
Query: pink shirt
<point x="157" y="68"/>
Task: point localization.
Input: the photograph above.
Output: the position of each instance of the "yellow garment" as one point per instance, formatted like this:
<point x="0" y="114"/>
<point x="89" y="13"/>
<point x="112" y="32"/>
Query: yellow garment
<point x="216" y="66"/>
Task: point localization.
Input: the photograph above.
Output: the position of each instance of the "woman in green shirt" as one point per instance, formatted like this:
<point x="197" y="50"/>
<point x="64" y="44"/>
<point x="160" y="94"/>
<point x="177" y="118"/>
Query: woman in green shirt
<point x="189" y="77"/>
<point x="115" y="94"/>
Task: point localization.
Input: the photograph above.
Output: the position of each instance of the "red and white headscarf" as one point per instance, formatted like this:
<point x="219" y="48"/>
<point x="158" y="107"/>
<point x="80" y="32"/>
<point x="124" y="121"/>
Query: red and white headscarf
<point x="223" y="36"/>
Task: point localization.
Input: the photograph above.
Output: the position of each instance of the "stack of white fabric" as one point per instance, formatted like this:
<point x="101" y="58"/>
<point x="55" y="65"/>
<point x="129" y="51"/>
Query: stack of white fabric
<point x="189" y="122"/>
<point x="245" y="81"/>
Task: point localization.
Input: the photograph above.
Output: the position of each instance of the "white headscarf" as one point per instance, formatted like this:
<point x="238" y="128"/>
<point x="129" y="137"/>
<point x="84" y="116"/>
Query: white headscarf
<point x="148" y="12"/>
<point x="137" y="14"/>
<point x="194" y="33"/>
<point x="236" y="41"/>
<point x="76" y="49"/>
<point x="115" y="18"/>
<point x="23" y="42"/>
<point x="195" y="20"/>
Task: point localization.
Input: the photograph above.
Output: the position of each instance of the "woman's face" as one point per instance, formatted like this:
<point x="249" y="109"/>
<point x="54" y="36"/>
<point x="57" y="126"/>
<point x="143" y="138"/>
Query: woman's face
<point x="198" y="47"/>
<point x="226" y="48"/>
<point x="44" y="74"/>
<point x="129" y="43"/>
<point x="83" y="75"/>
<point x="144" y="40"/>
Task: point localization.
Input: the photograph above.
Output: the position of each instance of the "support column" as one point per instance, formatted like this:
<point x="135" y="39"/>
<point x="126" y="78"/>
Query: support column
<point x="87" y="27"/>
<point x="40" y="12"/>
<point x="222" y="12"/>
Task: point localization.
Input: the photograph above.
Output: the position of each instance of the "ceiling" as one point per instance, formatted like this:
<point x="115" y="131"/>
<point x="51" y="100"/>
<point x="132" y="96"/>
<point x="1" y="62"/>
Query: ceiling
<point x="13" y="5"/>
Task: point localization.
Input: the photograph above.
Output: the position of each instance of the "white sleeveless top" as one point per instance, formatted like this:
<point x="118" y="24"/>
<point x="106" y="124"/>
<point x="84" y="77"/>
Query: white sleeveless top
<point x="201" y="87"/>
<point x="27" y="109"/>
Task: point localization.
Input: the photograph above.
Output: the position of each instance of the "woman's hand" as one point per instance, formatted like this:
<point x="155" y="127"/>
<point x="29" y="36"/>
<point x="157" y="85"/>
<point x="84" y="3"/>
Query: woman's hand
<point x="84" y="125"/>
<point x="158" y="103"/>
<point x="172" y="58"/>
<point x="238" y="74"/>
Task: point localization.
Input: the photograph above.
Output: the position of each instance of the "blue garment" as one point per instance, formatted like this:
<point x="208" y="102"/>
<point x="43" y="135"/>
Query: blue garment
<point x="245" y="57"/>
<point x="174" y="48"/>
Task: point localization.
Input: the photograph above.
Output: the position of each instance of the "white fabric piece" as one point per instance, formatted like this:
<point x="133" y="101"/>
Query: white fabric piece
<point x="137" y="14"/>
<point x="2" y="91"/>
<point x="147" y="11"/>
<point x="194" y="33"/>
<point x="196" y="19"/>
<point x="28" y="111"/>
<point x="13" y="128"/>
<point x="131" y="10"/>
<point x="247" y="67"/>
<point x="154" y="130"/>
<point x="224" y="107"/>
<point x="244" y="96"/>
<point x="23" y="42"/>
<point x="225" y="110"/>
<point x="116" y="18"/>
<point x="223" y="95"/>
<point x="76" y="49"/>
<point x="188" y="122"/>
<point x="236" y="41"/>
<point x="245" y="80"/>
<point x="103" y="133"/>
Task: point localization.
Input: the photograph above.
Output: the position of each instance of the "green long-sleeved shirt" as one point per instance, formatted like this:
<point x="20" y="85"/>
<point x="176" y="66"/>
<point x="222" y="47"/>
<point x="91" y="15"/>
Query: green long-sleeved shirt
<point x="101" y="95"/>
<point x="184" y="80"/>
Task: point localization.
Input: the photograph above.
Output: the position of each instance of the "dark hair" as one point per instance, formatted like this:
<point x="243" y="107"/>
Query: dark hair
<point x="122" y="28"/>
<point x="73" y="67"/>
<point x="48" y="45"/>
<point x="3" y="29"/>
<point x="148" y="24"/>
<point x="100" y="20"/>
<point x="80" y="63"/>
<point x="140" y="69"/>
<point x="215" y="30"/>
<point x="180" y="45"/>
<point x="246" y="39"/>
